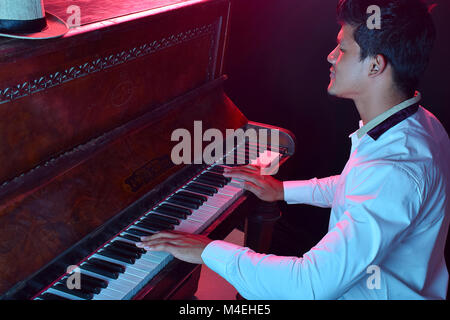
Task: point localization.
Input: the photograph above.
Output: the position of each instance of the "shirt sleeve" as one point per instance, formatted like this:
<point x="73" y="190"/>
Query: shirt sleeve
<point x="381" y="202"/>
<point x="316" y="192"/>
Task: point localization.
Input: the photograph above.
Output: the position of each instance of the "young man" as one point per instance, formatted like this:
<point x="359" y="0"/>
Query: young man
<point x="389" y="207"/>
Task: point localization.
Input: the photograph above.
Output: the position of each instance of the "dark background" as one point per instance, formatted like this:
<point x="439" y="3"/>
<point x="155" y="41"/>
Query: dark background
<point x="278" y="74"/>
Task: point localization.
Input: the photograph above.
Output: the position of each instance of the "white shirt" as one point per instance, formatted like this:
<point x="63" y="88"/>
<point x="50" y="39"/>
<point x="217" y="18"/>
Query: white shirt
<point x="388" y="224"/>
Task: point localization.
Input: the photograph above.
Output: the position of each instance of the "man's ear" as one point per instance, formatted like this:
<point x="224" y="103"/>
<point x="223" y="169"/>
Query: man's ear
<point x="377" y="65"/>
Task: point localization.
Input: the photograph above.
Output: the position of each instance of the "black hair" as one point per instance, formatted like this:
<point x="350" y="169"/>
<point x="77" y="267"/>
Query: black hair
<point x="405" y="37"/>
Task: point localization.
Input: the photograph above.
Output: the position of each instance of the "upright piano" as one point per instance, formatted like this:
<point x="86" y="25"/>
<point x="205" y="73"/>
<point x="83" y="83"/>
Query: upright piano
<point x="85" y="149"/>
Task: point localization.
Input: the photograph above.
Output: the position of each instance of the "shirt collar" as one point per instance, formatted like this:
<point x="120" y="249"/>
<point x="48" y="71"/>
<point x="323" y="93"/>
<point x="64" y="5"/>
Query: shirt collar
<point x="380" y="124"/>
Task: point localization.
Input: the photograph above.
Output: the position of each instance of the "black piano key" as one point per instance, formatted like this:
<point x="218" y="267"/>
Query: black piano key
<point x="75" y="292"/>
<point x="178" y="209"/>
<point x="100" y="270"/>
<point x="215" y="177"/>
<point x="218" y="176"/>
<point x="225" y="180"/>
<point x="153" y="226"/>
<point x="85" y="286"/>
<point x="181" y="196"/>
<point x="89" y="287"/>
<point x="171" y="209"/>
<point x="93" y="281"/>
<point x="183" y="202"/>
<point x="209" y="182"/>
<point x="193" y="196"/>
<point x="127" y="245"/>
<point x="159" y="217"/>
<point x="130" y="237"/>
<point x="125" y="253"/>
<point x="217" y="168"/>
<point x="133" y="254"/>
<point x="88" y="283"/>
<point x="158" y="222"/>
<point x="203" y="187"/>
<point x="193" y="188"/>
<point x="108" y="265"/>
<point x="113" y="254"/>
<point x="51" y="296"/>
<point x="171" y="213"/>
<point x="139" y="233"/>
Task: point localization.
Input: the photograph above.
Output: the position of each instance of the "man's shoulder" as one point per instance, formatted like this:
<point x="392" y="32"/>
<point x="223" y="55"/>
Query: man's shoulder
<point x="418" y="146"/>
<point x="424" y="141"/>
<point x="428" y="125"/>
<point x="421" y="138"/>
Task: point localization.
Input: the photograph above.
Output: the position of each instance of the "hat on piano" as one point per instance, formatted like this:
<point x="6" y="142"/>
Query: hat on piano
<point x="27" y="19"/>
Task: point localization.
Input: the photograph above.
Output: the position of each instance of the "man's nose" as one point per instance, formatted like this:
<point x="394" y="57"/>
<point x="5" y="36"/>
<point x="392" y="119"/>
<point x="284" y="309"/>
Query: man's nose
<point x="332" y="56"/>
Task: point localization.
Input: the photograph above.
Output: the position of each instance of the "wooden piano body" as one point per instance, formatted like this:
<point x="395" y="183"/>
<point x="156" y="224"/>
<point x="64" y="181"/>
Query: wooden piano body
<point x="85" y="133"/>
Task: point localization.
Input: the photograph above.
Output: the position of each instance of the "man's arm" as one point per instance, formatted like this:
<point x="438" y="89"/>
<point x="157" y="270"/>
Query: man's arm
<point x="315" y="192"/>
<point x="380" y="204"/>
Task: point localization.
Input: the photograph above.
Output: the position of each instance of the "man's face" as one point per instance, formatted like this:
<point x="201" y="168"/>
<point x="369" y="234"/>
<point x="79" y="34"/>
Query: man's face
<point x="348" y="74"/>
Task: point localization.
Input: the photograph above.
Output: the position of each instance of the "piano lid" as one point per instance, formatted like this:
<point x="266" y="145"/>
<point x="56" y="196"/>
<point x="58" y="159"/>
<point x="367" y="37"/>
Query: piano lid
<point x="100" y="10"/>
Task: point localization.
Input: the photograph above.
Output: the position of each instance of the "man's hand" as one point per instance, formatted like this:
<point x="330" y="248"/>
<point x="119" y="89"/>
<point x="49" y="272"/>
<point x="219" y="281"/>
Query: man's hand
<point x="184" y="246"/>
<point x="264" y="187"/>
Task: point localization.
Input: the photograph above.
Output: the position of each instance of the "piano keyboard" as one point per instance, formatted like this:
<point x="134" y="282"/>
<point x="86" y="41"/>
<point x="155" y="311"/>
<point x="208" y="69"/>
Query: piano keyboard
<point x="119" y="270"/>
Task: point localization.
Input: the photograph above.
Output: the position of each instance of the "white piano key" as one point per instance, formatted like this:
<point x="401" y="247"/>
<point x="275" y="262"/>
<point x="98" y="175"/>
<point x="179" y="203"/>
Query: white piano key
<point x="195" y="219"/>
<point x="165" y="256"/>
<point x="236" y="182"/>
<point x="137" y="271"/>
<point x="144" y="265"/>
<point x="206" y="210"/>
<point x="63" y="294"/>
<point x="152" y="258"/>
<point x="232" y="190"/>
<point x="217" y="201"/>
<point x="109" y="294"/>
<point x="188" y="226"/>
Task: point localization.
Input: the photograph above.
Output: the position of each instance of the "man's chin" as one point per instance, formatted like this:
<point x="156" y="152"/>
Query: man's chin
<point x="332" y="90"/>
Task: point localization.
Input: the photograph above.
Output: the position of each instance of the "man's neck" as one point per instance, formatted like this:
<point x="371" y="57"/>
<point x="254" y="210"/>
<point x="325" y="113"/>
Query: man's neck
<point x="374" y="104"/>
